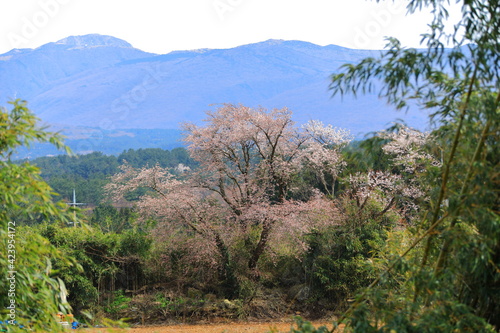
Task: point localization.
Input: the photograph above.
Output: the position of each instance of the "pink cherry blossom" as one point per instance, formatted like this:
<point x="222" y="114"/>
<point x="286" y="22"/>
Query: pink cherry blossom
<point x="248" y="158"/>
<point x="407" y="148"/>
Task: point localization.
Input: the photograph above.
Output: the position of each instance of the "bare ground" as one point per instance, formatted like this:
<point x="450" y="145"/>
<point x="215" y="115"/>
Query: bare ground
<point x="233" y="327"/>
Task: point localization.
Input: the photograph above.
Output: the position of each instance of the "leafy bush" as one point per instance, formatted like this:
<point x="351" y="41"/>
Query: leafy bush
<point x="118" y="302"/>
<point x="338" y="261"/>
<point x="29" y="282"/>
<point x="110" y="261"/>
<point x="304" y="326"/>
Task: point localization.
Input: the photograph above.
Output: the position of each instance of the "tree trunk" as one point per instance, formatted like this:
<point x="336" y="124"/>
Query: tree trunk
<point x="259" y="249"/>
<point x="225" y="272"/>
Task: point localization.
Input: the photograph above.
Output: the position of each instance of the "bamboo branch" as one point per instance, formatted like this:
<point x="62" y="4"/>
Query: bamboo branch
<point x="389" y="269"/>
<point x="447" y="243"/>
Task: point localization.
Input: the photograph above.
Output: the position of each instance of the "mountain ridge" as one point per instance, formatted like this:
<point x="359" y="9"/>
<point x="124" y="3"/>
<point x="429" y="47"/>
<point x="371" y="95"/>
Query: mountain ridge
<point x="94" y="40"/>
<point x="104" y="82"/>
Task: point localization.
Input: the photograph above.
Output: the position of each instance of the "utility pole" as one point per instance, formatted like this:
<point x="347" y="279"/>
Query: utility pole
<point x="74" y="204"/>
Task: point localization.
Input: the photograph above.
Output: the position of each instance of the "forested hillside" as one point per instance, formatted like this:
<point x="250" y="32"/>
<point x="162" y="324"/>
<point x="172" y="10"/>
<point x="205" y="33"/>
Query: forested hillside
<point x="88" y="174"/>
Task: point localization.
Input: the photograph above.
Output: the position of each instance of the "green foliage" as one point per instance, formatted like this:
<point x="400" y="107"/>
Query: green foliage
<point x="339" y="258"/>
<point x="111" y="219"/>
<point x="151" y="156"/>
<point x="93" y="165"/>
<point x="87" y="247"/>
<point x="109" y="261"/>
<point x="88" y="174"/>
<point x="136" y="243"/>
<point x="304" y="326"/>
<point x="118" y="302"/>
<point x="36" y="289"/>
<point x="173" y="306"/>
<point x="366" y="155"/>
<point x="447" y="278"/>
<point x="178" y="306"/>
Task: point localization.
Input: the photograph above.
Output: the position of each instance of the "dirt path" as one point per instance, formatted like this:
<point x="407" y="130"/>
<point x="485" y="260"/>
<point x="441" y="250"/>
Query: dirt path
<point x="211" y="328"/>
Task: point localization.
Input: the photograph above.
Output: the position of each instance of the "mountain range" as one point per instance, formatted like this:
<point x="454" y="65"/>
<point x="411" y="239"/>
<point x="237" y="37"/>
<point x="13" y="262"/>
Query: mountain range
<point x="100" y="84"/>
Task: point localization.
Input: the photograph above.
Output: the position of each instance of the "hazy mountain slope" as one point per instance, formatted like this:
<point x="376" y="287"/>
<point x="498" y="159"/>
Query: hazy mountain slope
<point x="102" y="82"/>
<point x="26" y="73"/>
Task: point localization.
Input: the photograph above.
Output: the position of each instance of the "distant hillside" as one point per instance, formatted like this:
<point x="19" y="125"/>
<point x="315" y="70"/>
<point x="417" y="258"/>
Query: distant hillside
<point x="87" y="140"/>
<point x="87" y="174"/>
<point x="28" y="73"/>
<point x="104" y="83"/>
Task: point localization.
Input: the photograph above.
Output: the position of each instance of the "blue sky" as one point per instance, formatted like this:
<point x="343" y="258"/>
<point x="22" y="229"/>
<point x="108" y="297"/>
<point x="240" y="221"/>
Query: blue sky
<point x="161" y="26"/>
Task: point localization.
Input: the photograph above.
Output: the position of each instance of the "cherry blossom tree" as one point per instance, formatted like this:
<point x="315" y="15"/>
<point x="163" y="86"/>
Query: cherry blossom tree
<point x="184" y="211"/>
<point x="323" y="152"/>
<point x="386" y="188"/>
<point x="247" y="155"/>
<point x="404" y="186"/>
<point x="406" y="146"/>
<point x="248" y="158"/>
